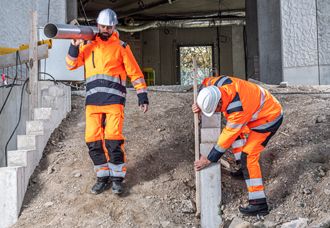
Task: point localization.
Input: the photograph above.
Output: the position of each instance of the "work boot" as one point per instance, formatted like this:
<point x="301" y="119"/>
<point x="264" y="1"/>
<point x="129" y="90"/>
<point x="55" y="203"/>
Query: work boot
<point x="101" y="185"/>
<point x="117" y="187"/>
<point x="255" y="209"/>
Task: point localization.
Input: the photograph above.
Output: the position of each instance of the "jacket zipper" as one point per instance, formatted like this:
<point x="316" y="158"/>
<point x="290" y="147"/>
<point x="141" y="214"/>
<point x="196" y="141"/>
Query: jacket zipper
<point x="93" y="59"/>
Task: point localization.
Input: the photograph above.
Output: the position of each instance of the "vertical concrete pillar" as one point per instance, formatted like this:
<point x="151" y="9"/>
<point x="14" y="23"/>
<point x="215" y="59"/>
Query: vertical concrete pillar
<point x="210" y="177"/>
<point x="269" y="41"/>
<point x="252" y="48"/>
<point x="238" y="52"/>
<point x="323" y="21"/>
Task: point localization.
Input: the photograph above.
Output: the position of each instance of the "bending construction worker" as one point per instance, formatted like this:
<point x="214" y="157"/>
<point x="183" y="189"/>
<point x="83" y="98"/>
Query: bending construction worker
<point x="247" y="108"/>
<point x="107" y="61"/>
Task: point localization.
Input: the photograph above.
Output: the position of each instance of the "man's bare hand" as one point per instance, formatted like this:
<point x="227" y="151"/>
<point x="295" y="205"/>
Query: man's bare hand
<point x="195" y="108"/>
<point x="144" y="107"/>
<point x="201" y="163"/>
<point x="76" y="42"/>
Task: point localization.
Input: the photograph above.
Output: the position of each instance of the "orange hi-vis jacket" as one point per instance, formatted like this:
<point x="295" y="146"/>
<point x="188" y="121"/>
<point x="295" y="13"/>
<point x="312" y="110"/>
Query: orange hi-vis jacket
<point x="107" y="63"/>
<point x="244" y="104"/>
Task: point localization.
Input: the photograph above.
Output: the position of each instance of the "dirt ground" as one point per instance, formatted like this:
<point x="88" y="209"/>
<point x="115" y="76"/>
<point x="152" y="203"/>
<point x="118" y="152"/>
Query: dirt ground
<point x="160" y="178"/>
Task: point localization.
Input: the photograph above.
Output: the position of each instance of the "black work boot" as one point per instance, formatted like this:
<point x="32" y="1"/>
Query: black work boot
<point x="101" y="185"/>
<point x="255" y="208"/>
<point x="117" y="185"/>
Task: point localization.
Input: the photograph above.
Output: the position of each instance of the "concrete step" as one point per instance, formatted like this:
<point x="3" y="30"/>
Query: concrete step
<point x="42" y="113"/>
<point x="35" y="127"/>
<point x="210" y="135"/>
<point x="211" y="122"/>
<point x="26" y="142"/>
<point x="24" y="158"/>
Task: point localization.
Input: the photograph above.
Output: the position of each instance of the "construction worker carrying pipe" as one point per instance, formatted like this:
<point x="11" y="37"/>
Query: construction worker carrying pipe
<point x="248" y="108"/>
<point x="107" y="61"/>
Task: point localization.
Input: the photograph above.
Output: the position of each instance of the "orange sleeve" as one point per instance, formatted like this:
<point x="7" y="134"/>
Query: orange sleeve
<point x="133" y="70"/>
<point x="75" y="57"/>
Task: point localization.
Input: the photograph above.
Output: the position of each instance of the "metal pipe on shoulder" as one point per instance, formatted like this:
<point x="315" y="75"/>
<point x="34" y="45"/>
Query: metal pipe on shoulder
<point x="66" y="31"/>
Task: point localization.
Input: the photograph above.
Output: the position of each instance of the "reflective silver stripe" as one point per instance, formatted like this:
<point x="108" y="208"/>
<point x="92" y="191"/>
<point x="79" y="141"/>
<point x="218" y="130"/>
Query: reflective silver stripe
<point x="234" y="126"/>
<point x="104" y="90"/>
<point x="138" y="81"/>
<point x="238" y="143"/>
<point x="101" y="171"/>
<point x="267" y="125"/>
<point x="103" y="77"/>
<point x="221" y="81"/>
<point x="234" y="104"/>
<point x="257" y="195"/>
<point x="238" y="156"/>
<point x="219" y="149"/>
<point x="141" y="91"/>
<point x="262" y="102"/>
<point x="123" y="82"/>
<point x="253" y="182"/>
<point x="117" y="170"/>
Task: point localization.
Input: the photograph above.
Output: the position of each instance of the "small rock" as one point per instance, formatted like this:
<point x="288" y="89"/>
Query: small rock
<point x="283" y="84"/>
<point x="307" y="191"/>
<point x="239" y="223"/>
<point x="327" y="191"/>
<point x="50" y="170"/>
<point x="299" y="223"/>
<point x="165" y="223"/>
<point x="321" y="119"/>
<point x="76" y="174"/>
<point x="187" y="206"/>
<point x="49" y="204"/>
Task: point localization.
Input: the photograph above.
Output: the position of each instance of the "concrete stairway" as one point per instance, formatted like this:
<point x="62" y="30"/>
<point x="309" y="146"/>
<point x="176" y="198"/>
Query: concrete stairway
<point x="210" y="177"/>
<point x="14" y="179"/>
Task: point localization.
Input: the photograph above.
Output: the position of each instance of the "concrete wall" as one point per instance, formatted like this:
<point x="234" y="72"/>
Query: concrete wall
<point x="14" y="179"/>
<point x="323" y="16"/>
<point x="299" y="42"/>
<point x="160" y="50"/>
<point x="14" y="30"/>
<point x="15" y="18"/>
<point x="9" y="118"/>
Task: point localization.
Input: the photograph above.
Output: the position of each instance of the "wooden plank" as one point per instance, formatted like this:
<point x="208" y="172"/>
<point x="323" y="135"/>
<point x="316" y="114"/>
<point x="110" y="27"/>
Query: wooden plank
<point x="196" y="124"/>
<point x="9" y="60"/>
<point x="33" y="61"/>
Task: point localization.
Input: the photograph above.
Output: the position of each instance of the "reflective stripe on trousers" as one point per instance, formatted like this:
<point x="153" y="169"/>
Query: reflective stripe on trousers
<point x="102" y="170"/>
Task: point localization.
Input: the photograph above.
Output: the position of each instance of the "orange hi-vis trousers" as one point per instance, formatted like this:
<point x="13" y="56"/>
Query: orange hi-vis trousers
<point x="105" y="140"/>
<point x="255" y="144"/>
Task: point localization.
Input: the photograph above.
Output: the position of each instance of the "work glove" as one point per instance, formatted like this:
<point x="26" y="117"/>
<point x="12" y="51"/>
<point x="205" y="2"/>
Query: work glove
<point x="143" y="98"/>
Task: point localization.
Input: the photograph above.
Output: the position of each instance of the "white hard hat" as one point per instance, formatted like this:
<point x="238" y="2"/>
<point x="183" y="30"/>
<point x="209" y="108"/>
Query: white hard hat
<point x="107" y="17"/>
<point x="208" y="100"/>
